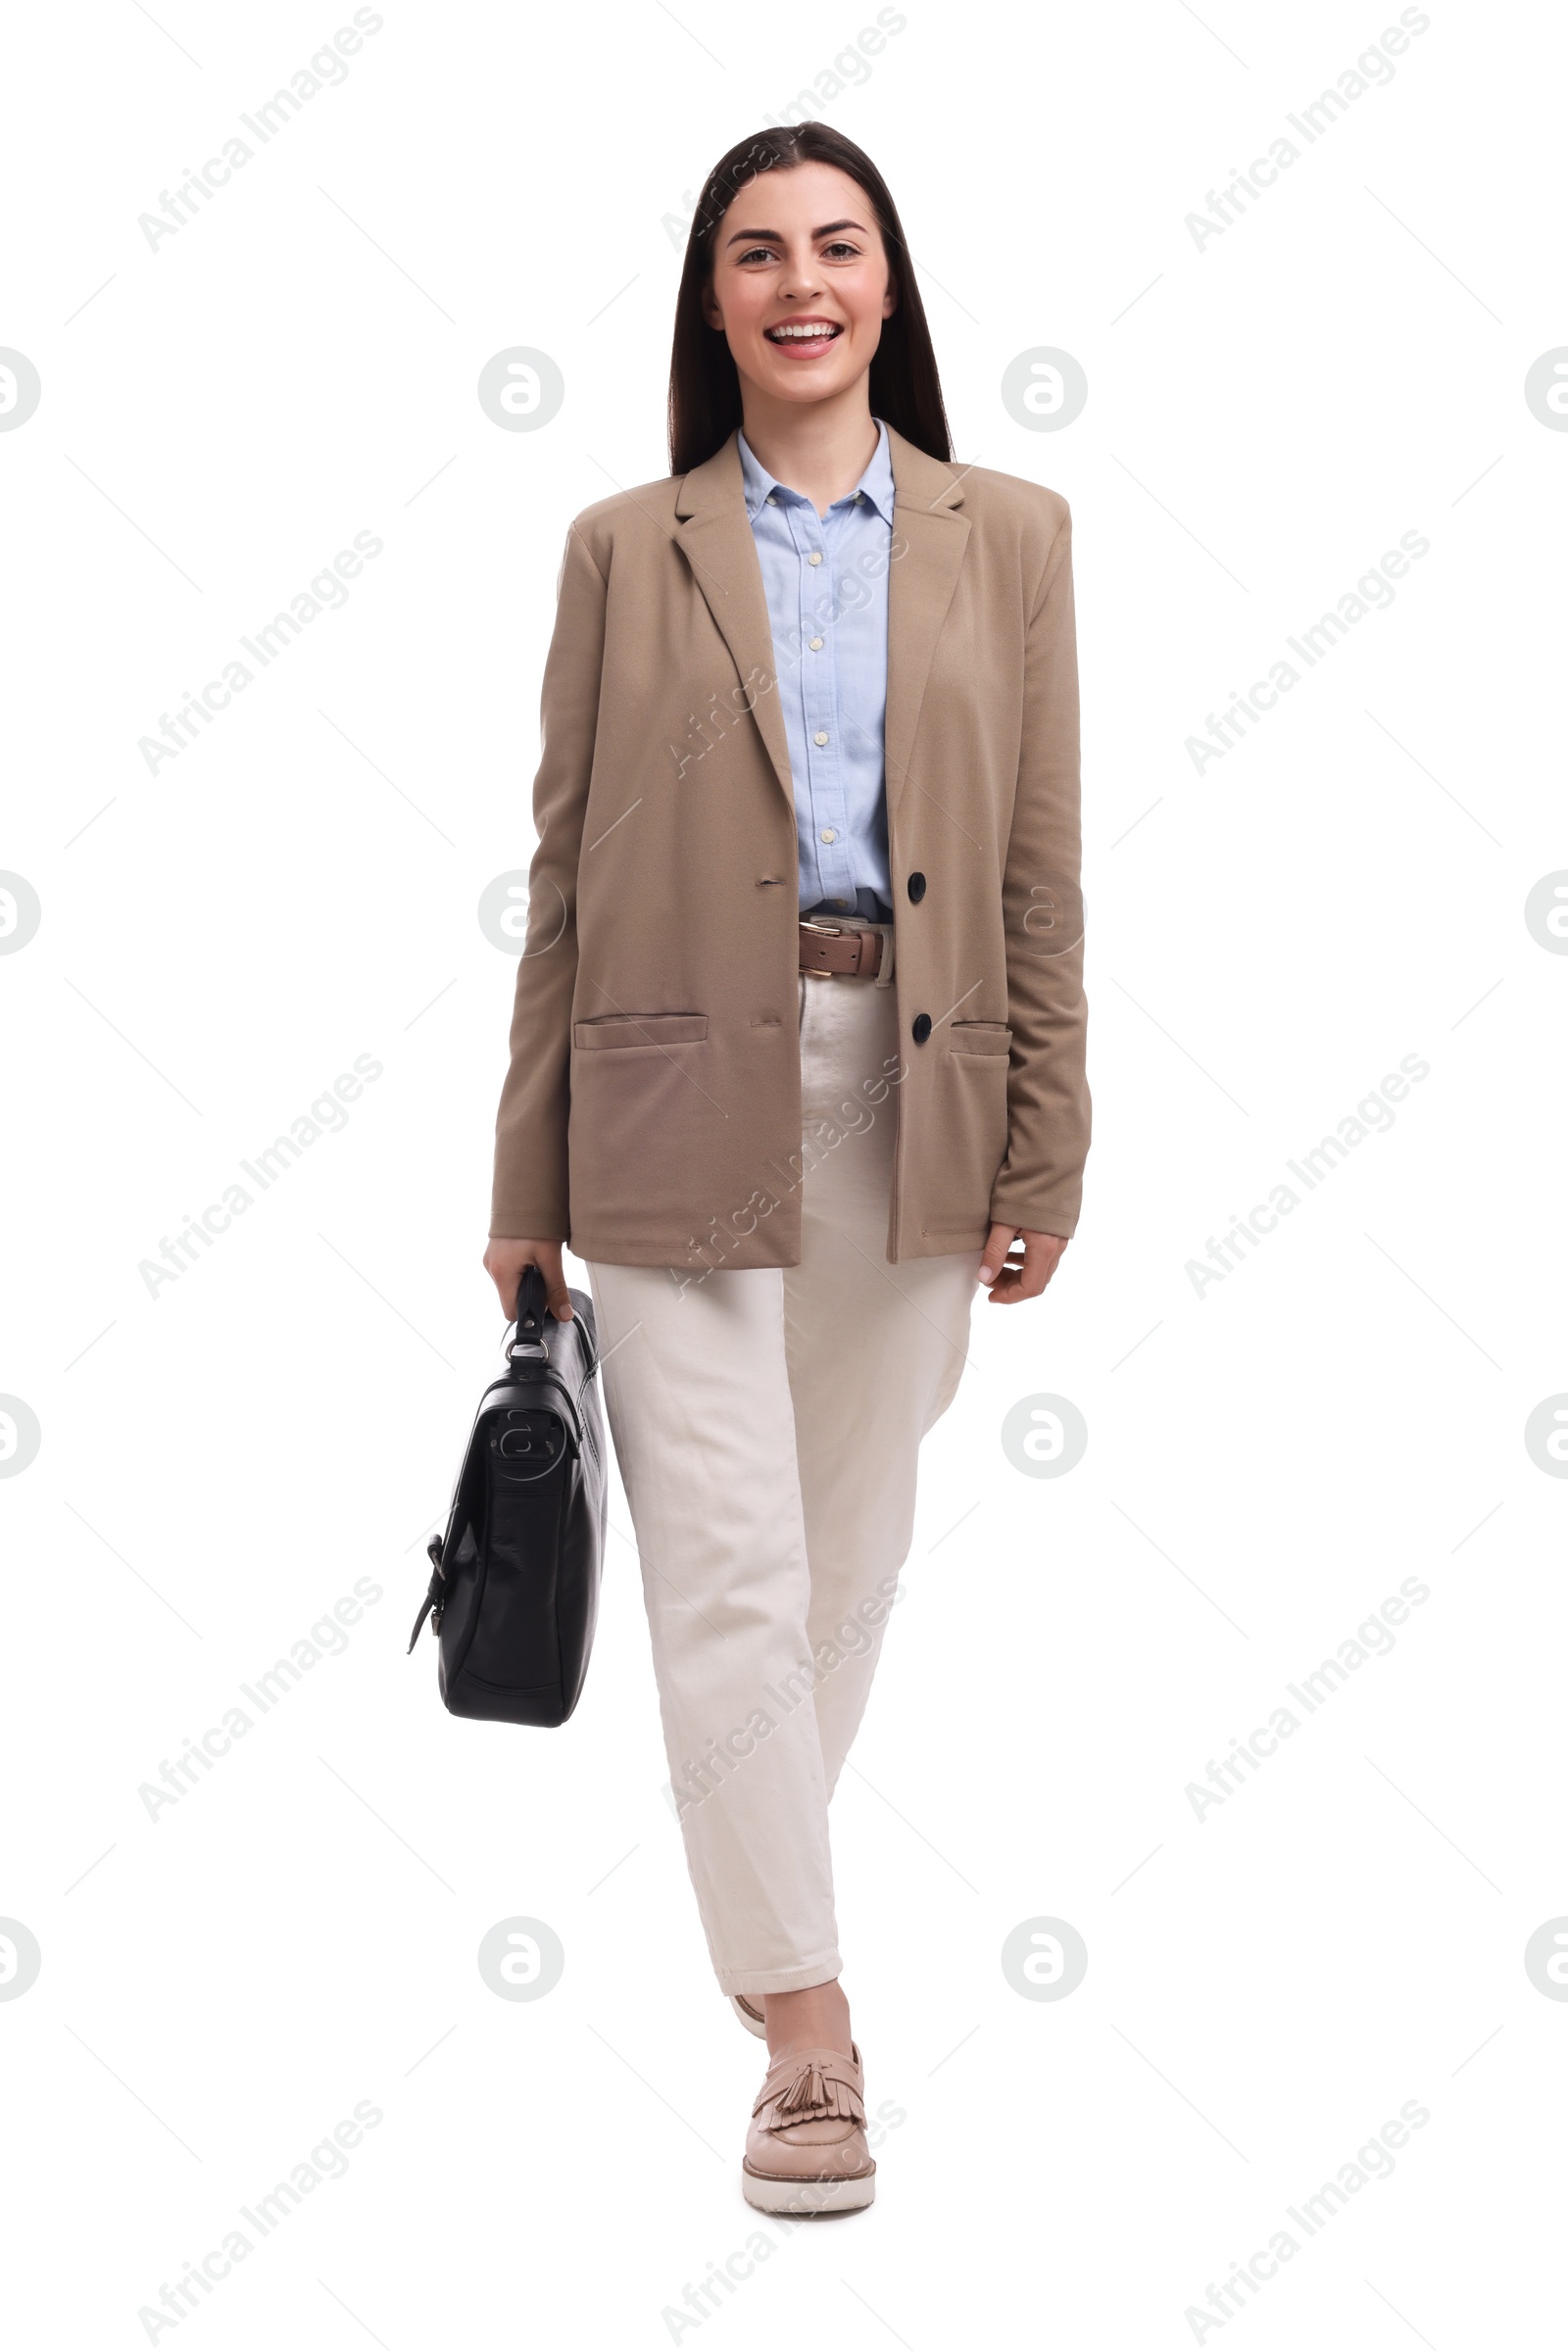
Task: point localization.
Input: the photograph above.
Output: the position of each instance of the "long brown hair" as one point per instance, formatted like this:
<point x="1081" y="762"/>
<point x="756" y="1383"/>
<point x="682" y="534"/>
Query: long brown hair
<point x="705" y="387"/>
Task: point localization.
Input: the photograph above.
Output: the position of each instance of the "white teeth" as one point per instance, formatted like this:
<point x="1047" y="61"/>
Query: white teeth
<point x="800" y="334"/>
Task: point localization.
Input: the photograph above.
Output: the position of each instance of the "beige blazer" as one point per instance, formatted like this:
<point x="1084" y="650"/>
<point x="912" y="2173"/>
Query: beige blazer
<point x="651" y="1114"/>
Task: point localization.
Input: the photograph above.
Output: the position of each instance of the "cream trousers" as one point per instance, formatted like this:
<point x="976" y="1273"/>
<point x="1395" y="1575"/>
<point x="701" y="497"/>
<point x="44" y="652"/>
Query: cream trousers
<point x="767" y="1424"/>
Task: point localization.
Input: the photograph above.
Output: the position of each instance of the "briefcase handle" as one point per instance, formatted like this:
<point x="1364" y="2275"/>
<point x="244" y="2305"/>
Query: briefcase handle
<point x="529" y="1340"/>
<point x="533" y="1319"/>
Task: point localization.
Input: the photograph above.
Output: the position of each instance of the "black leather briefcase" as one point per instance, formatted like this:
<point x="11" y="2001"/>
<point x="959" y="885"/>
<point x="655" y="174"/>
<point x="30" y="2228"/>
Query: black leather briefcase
<point x="514" y="1590"/>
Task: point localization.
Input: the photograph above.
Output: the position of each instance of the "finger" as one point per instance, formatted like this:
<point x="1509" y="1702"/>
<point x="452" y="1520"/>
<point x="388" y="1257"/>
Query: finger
<point x="998" y="1241"/>
<point x="557" y="1295"/>
<point x="1037" y="1263"/>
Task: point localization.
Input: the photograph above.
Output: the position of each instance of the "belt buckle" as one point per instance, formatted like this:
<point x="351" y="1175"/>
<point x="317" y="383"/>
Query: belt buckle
<point x="829" y="930"/>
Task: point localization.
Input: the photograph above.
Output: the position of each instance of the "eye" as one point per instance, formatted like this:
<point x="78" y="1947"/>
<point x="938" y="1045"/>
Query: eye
<point x="757" y="253"/>
<point x="841" y="247"/>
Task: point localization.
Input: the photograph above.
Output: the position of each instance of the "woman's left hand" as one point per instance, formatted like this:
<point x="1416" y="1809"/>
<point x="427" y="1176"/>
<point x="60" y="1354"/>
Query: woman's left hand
<point x="1014" y="1275"/>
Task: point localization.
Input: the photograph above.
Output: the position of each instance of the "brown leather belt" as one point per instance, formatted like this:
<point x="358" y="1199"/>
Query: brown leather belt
<point x="849" y="955"/>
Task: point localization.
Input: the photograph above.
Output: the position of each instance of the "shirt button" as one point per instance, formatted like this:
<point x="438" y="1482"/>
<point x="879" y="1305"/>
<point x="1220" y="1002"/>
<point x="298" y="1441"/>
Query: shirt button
<point x="816" y="644"/>
<point x="820" y="738"/>
<point x="920" y="1027"/>
<point x="830" y="834"/>
<point x="770" y="500"/>
<point x="814" y="558"/>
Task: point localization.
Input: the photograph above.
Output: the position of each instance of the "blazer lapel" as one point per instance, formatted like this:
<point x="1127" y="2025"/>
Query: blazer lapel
<point x="716" y="537"/>
<point x="930" y="538"/>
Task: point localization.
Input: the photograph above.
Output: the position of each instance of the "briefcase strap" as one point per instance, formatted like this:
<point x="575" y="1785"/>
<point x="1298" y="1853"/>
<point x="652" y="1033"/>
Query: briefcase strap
<point x="432" y="1599"/>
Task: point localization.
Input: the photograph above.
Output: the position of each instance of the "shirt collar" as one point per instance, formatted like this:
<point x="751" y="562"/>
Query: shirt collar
<point x="876" y="483"/>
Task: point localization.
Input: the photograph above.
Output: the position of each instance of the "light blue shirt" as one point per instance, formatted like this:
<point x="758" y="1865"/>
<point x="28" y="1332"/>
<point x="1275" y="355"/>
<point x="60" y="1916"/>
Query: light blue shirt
<point x="826" y="582"/>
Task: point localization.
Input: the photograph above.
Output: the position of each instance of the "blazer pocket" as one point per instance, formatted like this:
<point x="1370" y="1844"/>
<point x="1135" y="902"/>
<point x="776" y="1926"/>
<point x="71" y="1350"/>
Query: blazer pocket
<point x="613" y="1032"/>
<point x="970" y="1133"/>
<point x="986" y="1037"/>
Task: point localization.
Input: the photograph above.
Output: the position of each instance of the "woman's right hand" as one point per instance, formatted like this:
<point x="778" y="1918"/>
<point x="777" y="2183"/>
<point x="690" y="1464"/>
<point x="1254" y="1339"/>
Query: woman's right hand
<point x="504" y="1263"/>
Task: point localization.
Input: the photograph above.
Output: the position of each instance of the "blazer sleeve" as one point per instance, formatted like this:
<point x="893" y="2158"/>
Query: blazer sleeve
<point x="1040" y="1184"/>
<point x="530" y="1199"/>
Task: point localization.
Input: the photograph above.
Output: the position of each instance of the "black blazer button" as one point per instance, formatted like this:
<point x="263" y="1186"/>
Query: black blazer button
<point x="917" y="888"/>
<point x="922" y="1027"/>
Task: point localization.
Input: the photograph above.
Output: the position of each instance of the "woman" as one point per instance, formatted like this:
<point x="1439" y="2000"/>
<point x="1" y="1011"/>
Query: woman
<point x="798" y="1049"/>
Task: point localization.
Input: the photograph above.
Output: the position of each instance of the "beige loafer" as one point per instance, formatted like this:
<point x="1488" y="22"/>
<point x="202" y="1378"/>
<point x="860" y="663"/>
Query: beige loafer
<point x="806" y="2149"/>
<point x="750" y="2016"/>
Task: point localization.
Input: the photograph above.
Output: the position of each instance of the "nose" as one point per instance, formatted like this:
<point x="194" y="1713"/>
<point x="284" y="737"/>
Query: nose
<point x="798" y="279"/>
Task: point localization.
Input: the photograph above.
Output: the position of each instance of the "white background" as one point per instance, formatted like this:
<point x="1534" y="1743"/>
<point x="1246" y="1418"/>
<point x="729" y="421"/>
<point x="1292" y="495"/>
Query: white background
<point x="220" y="1462"/>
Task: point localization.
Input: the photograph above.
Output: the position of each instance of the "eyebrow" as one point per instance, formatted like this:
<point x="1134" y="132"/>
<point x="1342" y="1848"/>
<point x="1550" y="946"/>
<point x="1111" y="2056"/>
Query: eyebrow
<point x="772" y="236"/>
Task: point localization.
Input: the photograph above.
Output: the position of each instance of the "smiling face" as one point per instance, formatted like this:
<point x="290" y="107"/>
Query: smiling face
<point x="801" y="283"/>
